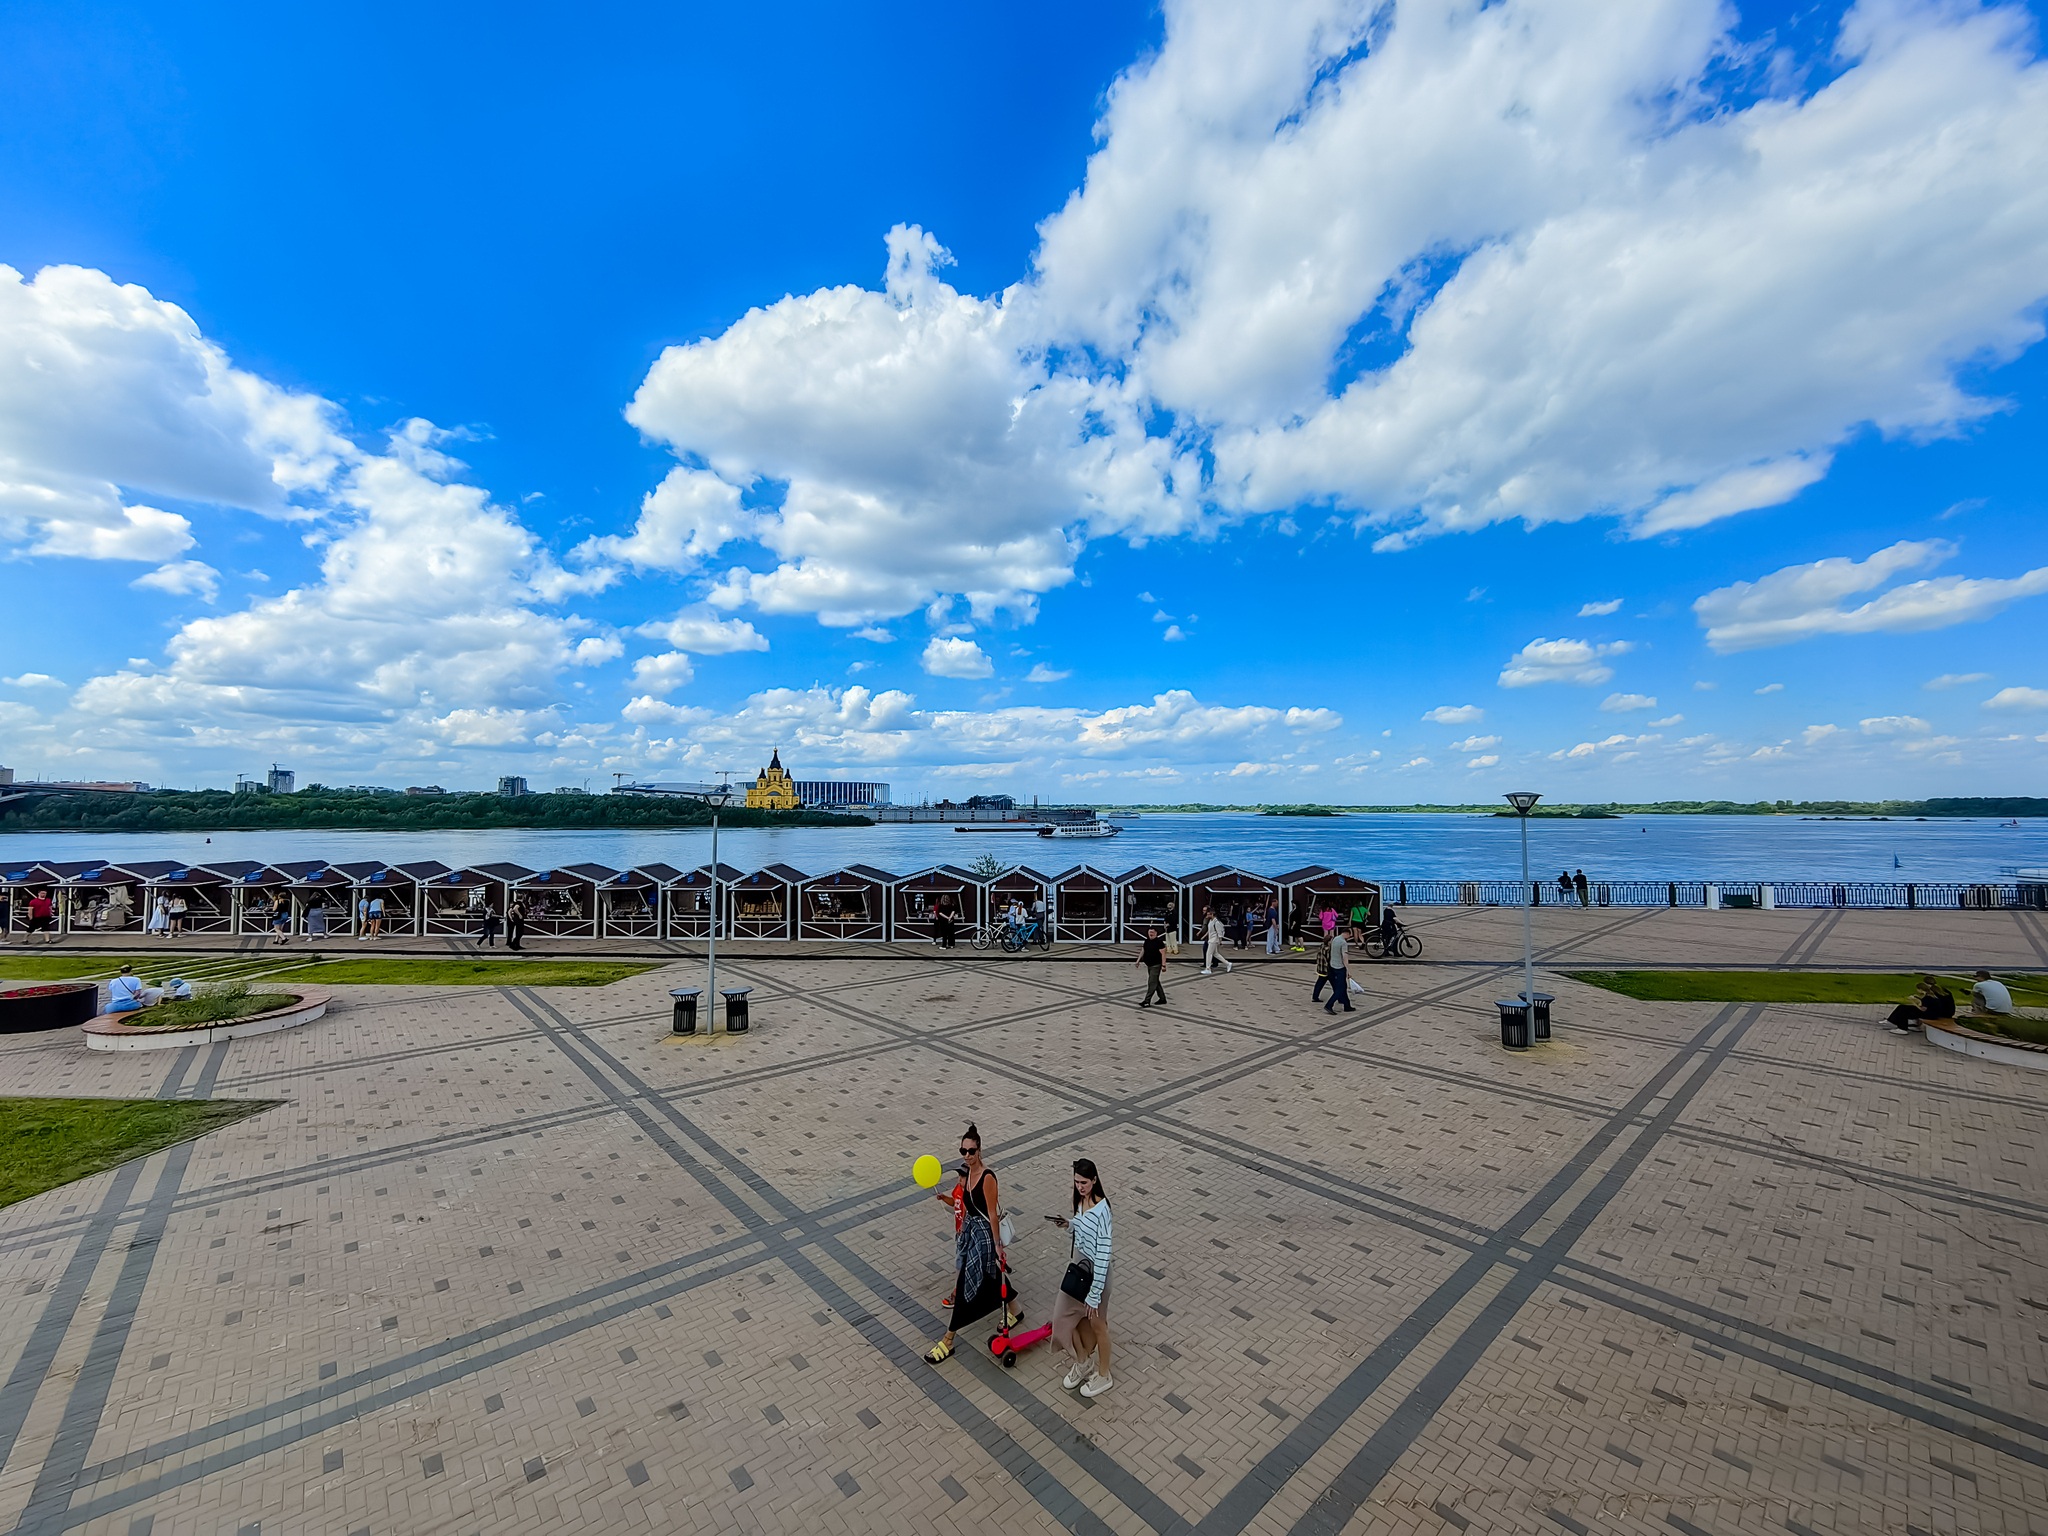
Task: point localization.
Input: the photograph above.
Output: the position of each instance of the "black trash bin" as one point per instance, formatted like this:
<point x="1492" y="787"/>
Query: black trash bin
<point x="1514" y="1023"/>
<point x="736" y="1010"/>
<point x="686" y="1009"/>
<point x="1543" y="1002"/>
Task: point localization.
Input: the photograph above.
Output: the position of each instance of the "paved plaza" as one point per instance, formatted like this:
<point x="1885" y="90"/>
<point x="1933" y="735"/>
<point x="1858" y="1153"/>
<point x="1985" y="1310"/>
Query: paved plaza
<point x="504" y="1259"/>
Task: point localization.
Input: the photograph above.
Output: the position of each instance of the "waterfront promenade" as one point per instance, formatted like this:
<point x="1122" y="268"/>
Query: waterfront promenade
<point x="508" y="1260"/>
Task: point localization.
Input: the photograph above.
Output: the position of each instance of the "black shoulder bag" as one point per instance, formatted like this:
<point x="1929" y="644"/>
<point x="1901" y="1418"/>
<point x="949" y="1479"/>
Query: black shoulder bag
<point x="1079" y="1278"/>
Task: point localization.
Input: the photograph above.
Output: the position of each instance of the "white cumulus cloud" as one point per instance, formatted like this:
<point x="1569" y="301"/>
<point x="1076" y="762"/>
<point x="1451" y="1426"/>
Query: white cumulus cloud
<point x="2018" y="699"/>
<point x="1045" y="674"/>
<point x="703" y="633"/>
<point x="1475" y="743"/>
<point x="1895" y="725"/>
<point x="1483" y="762"/>
<point x="1599" y="610"/>
<point x="1949" y="680"/>
<point x="1622" y="703"/>
<point x="1581" y="662"/>
<point x="1802" y="601"/>
<point x="187" y="578"/>
<point x="950" y="656"/>
<point x="1455" y="714"/>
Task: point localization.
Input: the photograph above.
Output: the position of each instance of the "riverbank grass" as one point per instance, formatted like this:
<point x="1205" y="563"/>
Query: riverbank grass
<point x="48" y="1142"/>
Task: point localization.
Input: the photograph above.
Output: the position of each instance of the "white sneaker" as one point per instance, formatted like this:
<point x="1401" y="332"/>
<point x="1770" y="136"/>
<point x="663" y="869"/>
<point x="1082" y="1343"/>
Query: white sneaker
<point x="1097" y="1385"/>
<point x="1082" y="1370"/>
<point x="1227" y="967"/>
<point x="1205" y="973"/>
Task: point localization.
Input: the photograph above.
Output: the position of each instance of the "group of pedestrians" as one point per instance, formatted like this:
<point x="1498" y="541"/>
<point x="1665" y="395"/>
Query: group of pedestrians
<point x="981" y="1285"/>
<point x="1989" y="999"/>
<point x="514" y="924"/>
<point x="1571" y="885"/>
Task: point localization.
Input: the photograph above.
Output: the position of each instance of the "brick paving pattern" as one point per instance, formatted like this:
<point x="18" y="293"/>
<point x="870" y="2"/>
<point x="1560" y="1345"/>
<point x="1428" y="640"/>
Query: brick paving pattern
<point x="506" y="1259"/>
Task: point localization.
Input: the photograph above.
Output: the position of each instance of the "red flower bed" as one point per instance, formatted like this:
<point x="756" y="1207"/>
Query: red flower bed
<point x="68" y="986"/>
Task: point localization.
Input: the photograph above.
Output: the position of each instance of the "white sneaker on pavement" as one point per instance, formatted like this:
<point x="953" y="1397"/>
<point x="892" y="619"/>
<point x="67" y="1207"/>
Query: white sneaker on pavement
<point x="1205" y="973"/>
<point x="1082" y="1370"/>
<point x="1227" y="967"/>
<point x="1097" y="1385"/>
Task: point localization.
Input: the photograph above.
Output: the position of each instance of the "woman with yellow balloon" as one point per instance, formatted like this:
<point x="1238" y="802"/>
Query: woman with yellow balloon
<point x="978" y="1282"/>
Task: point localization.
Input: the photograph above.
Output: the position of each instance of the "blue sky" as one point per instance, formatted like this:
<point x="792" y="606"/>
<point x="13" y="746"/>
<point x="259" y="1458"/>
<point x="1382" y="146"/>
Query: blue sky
<point x="1629" y="400"/>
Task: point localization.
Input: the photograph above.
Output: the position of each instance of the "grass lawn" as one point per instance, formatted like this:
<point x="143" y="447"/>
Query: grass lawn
<point x="209" y="1005"/>
<point x="363" y="970"/>
<point x="47" y="1142"/>
<point x="58" y="966"/>
<point x="398" y="971"/>
<point x="1797" y="986"/>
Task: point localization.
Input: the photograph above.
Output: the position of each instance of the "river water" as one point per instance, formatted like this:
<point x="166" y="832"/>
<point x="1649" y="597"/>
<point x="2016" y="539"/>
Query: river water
<point x="1375" y="846"/>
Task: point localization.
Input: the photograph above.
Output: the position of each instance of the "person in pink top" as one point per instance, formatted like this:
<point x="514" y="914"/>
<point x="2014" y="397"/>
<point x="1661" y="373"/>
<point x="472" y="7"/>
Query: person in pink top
<point x="1329" y="921"/>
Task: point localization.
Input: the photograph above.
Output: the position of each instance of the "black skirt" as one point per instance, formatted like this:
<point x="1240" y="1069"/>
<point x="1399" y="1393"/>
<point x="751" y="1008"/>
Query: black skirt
<point x="988" y="1299"/>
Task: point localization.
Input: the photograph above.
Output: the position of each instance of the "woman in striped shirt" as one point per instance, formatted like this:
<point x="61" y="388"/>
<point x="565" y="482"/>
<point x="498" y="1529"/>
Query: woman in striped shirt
<point x="1080" y="1326"/>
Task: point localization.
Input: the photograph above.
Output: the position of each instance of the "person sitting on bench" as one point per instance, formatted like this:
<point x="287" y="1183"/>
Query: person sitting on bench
<point x="1990" y="997"/>
<point x="1934" y="1002"/>
<point x="127" y="994"/>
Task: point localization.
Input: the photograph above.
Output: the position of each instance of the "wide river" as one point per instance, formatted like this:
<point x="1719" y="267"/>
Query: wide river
<point x="1382" y="847"/>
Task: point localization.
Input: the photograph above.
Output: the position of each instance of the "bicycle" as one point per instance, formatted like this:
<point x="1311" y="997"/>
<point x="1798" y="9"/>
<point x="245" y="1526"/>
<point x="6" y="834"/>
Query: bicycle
<point x="1405" y="945"/>
<point x="1033" y="931"/>
<point x="990" y="932"/>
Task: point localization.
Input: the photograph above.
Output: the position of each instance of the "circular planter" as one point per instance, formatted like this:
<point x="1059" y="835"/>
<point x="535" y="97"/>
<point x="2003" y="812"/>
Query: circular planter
<point x="1954" y="1035"/>
<point x="107" y="1032"/>
<point x="24" y="1010"/>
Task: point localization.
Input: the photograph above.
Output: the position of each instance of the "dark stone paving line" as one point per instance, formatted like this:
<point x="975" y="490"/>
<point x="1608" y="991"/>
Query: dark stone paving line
<point x="1335" y="1507"/>
<point x="1761" y="1342"/>
<point x="1900" y="1184"/>
<point x="87" y="1403"/>
<point x="510" y="1337"/>
<point x="1110" y="1474"/>
<point x="1053" y="1496"/>
<point x="32" y="1367"/>
<point x="1238" y="1507"/>
<point x="1927" y="1090"/>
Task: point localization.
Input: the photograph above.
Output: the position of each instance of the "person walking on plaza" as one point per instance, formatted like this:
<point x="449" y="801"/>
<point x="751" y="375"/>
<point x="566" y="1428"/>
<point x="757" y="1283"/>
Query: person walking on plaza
<point x="1153" y="958"/>
<point x="1934" y="1002"/>
<point x="1273" y="934"/>
<point x="1339" y="975"/>
<point x="1080" y="1322"/>
<point x="487" y="926"/>
<point x="1579" y="884"/>
<point x="1212" y="947"/>
<point x="979" y="1250"/>
<point x="1322" y="971"/>
<point x="515" y="922"/>
<point x="42" y="916"/>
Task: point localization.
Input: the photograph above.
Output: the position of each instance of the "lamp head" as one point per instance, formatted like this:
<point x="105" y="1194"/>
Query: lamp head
<point x="1523" y="801"/>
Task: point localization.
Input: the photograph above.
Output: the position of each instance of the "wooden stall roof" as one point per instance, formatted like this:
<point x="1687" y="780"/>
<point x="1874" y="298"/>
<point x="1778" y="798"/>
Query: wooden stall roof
<point x="479" y="874"/>
<point x="570" y="874"/>
<point x="418" y="874"/>
<point x="358" y="873"/>
<point x="947" y="874"/>
<point x="781" y="874"/>
<point x="1334" y="880"/>
<point x="1023" y="872"/>
<point x="30" y="874"/>
<point x="642" y="875"/>
<point x="1216" y="873"/>
<point x="142" y="874"/>
<point x="1132" y="876"/>
<point x="93" y="873"/>
<point x="1303" y="875"/>
<point x="701" y="875"/>
<point x="318" y="874"/>
<point x="1083" y="872"/>
<point x="199" y="874"/>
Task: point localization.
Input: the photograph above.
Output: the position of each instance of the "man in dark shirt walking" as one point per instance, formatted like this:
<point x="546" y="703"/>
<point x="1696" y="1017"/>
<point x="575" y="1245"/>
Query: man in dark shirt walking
<point x="1153" y="958"/>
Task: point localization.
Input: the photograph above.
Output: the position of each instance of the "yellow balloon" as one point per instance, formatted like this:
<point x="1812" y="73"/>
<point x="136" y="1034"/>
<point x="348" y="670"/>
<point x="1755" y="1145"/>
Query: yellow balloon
<point x="926" y="1170"/>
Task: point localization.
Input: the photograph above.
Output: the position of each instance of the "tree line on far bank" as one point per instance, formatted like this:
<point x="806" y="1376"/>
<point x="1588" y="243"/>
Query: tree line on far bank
<point x="218" y="810"/>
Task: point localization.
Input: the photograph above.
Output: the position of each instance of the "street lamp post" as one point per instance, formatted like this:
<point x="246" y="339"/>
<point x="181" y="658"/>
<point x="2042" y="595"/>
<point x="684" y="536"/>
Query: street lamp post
<point x="1524" y="802"/>
<point x="711" y="945"/>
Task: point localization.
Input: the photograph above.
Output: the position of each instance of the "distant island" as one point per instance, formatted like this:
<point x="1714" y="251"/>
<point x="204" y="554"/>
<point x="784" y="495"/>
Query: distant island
<point x="217" y="810"/>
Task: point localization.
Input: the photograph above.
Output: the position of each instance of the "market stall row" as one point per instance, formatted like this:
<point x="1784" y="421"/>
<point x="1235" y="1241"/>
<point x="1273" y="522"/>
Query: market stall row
<point x="658" y="901"/>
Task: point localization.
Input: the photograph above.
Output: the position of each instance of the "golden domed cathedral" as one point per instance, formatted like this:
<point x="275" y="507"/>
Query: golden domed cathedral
<point x="774" y="789"/>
